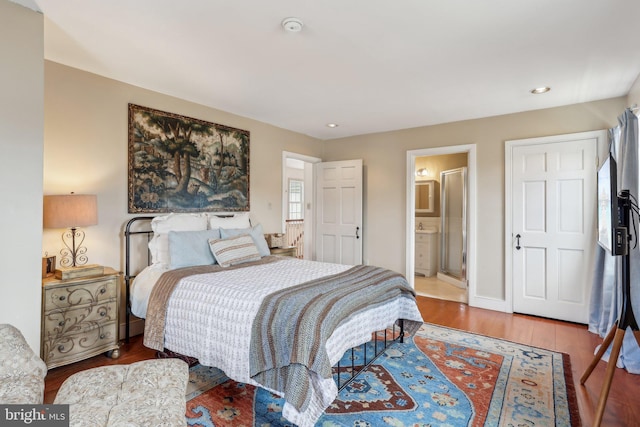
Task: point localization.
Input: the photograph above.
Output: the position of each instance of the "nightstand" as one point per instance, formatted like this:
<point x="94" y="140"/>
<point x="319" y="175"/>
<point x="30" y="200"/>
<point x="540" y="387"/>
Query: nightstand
<point x="80" y="318"/>
<point x="285" y="251"/>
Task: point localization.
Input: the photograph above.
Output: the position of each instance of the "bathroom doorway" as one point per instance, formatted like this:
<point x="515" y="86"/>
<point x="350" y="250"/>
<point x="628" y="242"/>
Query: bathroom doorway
<point x="440" y="237"/>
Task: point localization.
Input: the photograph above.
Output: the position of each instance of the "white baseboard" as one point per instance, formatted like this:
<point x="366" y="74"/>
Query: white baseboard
<point x="462" y="284"/>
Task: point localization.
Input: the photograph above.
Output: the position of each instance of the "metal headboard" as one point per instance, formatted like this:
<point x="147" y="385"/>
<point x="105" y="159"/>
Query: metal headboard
<point x="129" y="231"/>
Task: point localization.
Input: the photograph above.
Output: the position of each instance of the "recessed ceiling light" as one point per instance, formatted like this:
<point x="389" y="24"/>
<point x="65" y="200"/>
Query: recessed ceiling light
<point x="332" y="125"/>
<point x="292" y="25"/>
<point x="540" y="90"/>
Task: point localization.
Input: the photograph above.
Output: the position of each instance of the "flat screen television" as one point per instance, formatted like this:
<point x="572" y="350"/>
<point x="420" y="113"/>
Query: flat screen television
<point x="608" y="213"/>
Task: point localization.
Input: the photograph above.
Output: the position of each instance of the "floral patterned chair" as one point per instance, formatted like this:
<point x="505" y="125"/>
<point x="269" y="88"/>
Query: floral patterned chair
<point x="145" y="393"/>
<point x="22" y="372"/>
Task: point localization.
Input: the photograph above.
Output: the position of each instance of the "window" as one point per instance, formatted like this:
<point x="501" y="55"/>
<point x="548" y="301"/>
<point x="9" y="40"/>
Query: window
<point x="296" y="199"/>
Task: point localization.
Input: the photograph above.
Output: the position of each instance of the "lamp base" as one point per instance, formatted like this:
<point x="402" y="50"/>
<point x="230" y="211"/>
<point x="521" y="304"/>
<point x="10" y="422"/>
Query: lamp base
<point x="66" y="273"/>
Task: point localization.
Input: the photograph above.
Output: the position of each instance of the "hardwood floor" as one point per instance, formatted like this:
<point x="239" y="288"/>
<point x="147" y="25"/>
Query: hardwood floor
<point x="622" y="407"/>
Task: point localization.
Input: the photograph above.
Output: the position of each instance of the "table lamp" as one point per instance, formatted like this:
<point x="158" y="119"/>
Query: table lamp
<point x="71" y="211"/>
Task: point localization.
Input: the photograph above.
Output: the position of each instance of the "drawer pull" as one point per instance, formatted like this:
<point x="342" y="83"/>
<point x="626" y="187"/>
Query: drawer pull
<point x="103" y="313"/>
<point x="101" y="336"/>
<point x="60" y="347"/>
<point x="62" y="298"/>
<point x="61" y="323"/>
<point x="103" y="290"/>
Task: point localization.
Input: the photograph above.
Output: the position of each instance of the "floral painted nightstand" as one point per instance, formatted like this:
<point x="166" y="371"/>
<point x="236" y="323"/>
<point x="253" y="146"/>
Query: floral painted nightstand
<point x="80" y="318"/>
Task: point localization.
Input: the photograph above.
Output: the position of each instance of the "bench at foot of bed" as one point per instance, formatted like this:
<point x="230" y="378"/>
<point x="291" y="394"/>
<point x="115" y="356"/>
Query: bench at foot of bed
<point x="149" y="393"/>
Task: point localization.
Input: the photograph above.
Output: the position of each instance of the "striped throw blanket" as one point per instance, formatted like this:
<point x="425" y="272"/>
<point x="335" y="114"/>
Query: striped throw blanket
<point x="292" y="326"/>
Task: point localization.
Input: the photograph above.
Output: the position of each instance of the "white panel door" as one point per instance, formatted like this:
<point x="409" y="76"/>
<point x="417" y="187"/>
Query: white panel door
<point x="553" y="227"/>
<point x="339" y="212"/>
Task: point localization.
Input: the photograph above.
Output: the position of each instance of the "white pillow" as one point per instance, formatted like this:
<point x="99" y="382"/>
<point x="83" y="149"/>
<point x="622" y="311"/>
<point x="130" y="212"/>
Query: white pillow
<point x="239" y="220"/>
<point x="234" y="250"/>
<point x="161" y="225"/>
<point x="256" y="234"/>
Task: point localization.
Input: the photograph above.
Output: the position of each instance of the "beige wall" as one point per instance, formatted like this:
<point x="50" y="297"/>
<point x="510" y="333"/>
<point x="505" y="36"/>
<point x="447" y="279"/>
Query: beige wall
<point x="385" y="159"/>
<point x="85" y="151"/>
<point x="437" y="164"/>
<point x="21" y="130"/>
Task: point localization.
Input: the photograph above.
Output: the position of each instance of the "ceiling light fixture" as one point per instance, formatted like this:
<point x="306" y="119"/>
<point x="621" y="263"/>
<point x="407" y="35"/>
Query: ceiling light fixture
<point x="332" y="125"/>
<point x="540" y="90"/>
<point x="292" y="25"/>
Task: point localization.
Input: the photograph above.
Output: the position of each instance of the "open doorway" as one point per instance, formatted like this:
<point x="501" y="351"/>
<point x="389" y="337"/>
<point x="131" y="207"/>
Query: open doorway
<point x="441" y="222"/>
<point x="298" y="202"/>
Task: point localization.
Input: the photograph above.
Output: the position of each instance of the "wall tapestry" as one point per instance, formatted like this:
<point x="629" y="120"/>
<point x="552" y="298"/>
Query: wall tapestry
<point x="181" y="164"/>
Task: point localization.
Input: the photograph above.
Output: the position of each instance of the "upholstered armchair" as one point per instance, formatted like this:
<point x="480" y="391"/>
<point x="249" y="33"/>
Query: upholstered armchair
<point x="145" y="393"/>
<point x="22" y="372"/>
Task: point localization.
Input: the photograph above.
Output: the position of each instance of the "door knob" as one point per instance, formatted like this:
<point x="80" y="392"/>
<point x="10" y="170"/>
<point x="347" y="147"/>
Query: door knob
<point x="518" y="242"/>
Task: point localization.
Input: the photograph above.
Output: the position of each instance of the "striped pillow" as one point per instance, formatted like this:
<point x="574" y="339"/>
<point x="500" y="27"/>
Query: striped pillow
<point x="234" y="250"/>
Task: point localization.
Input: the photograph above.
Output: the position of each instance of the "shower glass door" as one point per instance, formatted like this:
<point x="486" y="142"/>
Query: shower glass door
<point x="453" y="216"/>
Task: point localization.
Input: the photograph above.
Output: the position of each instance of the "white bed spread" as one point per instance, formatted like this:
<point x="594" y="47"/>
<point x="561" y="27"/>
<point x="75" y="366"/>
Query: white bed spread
<point x="209" y="317"/>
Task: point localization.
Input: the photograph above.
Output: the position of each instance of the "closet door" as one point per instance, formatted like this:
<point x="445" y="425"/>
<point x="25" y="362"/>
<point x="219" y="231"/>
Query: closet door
<point x="552" y="237"/>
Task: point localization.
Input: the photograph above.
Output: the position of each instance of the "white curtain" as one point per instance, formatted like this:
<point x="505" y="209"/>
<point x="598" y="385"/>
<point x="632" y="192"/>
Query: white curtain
<point x="606" y="292"/>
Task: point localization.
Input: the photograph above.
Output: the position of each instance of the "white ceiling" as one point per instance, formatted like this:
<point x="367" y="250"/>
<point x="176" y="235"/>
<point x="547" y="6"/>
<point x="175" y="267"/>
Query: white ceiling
<point x="368" y="65"/>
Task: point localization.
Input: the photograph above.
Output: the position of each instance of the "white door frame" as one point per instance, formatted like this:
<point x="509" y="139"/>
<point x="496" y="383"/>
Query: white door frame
<point x="470" y="149"/>
<point x="600" y="135"/>
<point x="309" y="197"/>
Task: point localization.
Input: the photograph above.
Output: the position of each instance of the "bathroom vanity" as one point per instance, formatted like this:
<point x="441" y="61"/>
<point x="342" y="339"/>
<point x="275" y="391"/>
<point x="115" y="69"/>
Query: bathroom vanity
<point x="426" y="254"/>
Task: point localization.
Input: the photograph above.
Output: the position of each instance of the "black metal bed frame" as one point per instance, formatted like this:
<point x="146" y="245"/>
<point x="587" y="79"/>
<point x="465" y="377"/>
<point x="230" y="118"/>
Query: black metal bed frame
<point x="379" y="347"/>
<point x="360" y="356"/>
<point x="128" y="276"/>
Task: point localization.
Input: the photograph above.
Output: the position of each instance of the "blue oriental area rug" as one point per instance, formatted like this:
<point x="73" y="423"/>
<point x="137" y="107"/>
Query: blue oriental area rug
<point x="439" y="377"/>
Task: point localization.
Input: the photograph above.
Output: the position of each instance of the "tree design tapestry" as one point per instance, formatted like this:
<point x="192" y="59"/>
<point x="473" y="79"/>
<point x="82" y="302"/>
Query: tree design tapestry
<point x="181" y="164"/>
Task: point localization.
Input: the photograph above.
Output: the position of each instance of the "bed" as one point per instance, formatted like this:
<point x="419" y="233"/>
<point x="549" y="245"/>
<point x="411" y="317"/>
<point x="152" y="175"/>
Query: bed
<point x="239" y="316"/>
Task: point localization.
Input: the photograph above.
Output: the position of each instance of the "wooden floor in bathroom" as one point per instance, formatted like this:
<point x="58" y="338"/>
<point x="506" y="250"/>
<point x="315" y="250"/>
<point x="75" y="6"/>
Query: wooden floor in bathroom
<point x="434" y="288"/>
